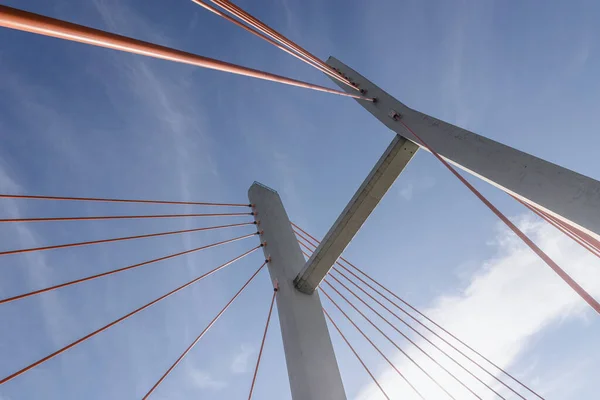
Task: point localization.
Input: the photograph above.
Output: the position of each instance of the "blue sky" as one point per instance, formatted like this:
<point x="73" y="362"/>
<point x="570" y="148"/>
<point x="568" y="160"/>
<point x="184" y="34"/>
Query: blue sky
<point x="85" y="121"/>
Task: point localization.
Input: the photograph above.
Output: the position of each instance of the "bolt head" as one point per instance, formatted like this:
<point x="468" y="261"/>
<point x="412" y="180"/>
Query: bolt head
<point x="393" y="114"/>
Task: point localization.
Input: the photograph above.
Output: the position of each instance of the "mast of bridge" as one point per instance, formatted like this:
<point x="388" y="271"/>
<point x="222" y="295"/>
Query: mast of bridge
<point x="312" y="367"/>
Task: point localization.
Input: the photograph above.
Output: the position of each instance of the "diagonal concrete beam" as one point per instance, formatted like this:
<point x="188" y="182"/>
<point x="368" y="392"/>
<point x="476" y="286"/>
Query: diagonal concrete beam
<point x="369" y="194"/>
<point x="567" y="195"/>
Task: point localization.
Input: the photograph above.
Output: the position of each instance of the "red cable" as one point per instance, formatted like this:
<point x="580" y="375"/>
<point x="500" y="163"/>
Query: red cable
<point x="262" y="343"/>
<point x="564" y="230"/>
<point x="418" y="312"/>
<point x="356" y="354"/>
<point x="592" y="241"/>
<point x="257" y="24"/>
<point x="103" y="200"/>
<point x="559" y="271"/>
<point x="274" y="43"/>
<point x="567" y="230"/>
<point x="403" y="335"/>
<point x="372" y="344"/>
<point x="105" y="327"/>
<point x="587" y="238"/>
<point x="210" y="325"/>
<point x="389" y="339"/>
<point x="64" y="246"/>
<point x="422" y="336"/>
<point x="115" y="271"/>
<point x="107" y="217"/>
<point x="34" y="23"/>
<point x="307" y="234"/>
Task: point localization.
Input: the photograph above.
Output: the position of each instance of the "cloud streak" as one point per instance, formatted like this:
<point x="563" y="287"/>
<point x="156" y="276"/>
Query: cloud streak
<point x="204" y="380"/>
<point x="411" y="188"/>
<point x="241" y="361"/>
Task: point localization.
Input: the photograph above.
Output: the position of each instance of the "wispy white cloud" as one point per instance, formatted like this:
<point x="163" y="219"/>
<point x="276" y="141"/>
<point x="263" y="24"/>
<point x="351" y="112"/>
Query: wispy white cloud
<point x="406" y="191"/>
<point x="581" y="52"/>
<point x="508" y="302"/>
<point x="204" y="380"/>
<point x="411" y="188"/>
<point x="241" y="361"/>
